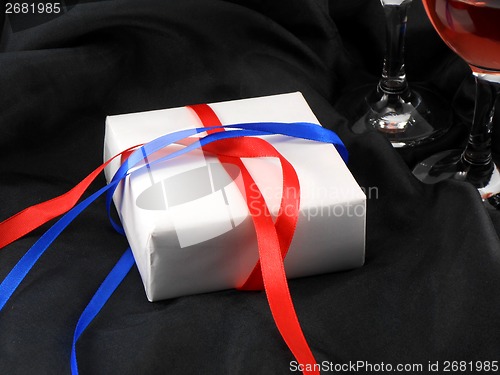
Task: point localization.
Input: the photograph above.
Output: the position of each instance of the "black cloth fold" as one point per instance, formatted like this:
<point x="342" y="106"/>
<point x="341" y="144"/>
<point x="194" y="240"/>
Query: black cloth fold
<point x="429" y="288"/>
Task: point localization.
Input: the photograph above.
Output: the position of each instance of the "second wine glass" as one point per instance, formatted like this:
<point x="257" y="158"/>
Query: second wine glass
<point x="406" y="115"/>
<point x="470" y="28"/>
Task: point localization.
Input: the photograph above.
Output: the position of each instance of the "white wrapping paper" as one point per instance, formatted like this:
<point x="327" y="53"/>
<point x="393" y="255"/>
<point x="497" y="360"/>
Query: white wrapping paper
<point x="188" y="224"/>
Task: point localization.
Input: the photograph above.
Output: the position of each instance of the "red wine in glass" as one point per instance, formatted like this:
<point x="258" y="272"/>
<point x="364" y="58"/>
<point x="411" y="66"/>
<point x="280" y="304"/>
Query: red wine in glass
<point x="471" y="28"/>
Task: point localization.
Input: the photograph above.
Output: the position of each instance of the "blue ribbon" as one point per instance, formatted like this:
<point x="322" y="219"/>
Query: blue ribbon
<point x="101" y="296"/>
<point x="21" y="269"/>
<point x="304" y="130"/>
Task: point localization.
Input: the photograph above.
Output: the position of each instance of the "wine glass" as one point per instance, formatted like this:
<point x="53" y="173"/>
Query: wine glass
<point x="471" y="29"/>
<point x="406" y="115"/>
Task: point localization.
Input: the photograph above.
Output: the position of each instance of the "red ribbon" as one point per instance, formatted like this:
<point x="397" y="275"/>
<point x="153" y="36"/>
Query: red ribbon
<point x="273" y="239"/>
<point x="35" y="216"/>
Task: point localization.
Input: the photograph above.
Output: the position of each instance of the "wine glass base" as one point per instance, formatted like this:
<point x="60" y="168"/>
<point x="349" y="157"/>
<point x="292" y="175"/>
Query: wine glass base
<point x="420" y="118"/>
<point x="447" y="165"/>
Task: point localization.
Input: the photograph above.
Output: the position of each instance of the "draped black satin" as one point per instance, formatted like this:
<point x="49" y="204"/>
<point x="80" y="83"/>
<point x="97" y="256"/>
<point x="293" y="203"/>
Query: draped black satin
<point x="429" y="290"/>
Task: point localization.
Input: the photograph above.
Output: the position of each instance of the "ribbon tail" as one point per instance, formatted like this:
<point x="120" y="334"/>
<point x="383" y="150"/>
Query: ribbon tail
<point x="32" y="217"/>
<point x="101" y="296"/>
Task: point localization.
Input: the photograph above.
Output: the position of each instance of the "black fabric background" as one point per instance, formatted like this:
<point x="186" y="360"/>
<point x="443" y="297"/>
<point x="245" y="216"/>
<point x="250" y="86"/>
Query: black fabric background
<point x="430" y="288"/>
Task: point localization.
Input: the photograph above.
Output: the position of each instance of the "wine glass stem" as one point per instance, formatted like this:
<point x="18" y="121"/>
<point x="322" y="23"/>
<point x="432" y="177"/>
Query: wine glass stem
<point x="478" y="150"/>
<point x="393" y="80"/>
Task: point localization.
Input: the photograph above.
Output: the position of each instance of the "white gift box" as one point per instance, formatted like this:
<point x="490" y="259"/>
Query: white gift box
<point x="188" y="224"/>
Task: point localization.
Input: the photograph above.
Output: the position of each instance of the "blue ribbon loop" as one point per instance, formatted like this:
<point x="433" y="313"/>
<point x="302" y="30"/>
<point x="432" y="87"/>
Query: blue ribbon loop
<point x="9" y="285"/>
